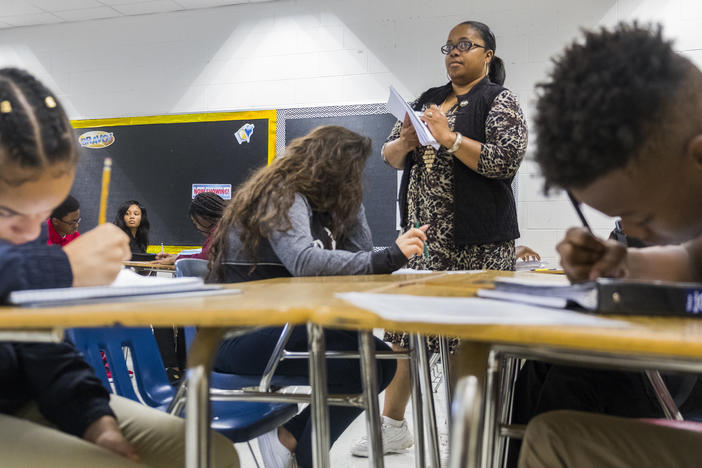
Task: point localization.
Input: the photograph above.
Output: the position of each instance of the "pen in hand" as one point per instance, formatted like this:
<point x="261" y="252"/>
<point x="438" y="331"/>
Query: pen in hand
<point x="576" y="205"/>
<point x="424" y="253"/>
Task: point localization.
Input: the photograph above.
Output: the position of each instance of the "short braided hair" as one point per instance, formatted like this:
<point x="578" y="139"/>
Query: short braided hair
<point x="35" y="132"/>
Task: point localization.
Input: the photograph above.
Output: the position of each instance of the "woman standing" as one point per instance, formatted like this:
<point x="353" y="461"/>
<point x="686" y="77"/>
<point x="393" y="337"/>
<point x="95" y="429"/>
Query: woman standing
<point x="133" y="220"/>
<point x="463" y="189"/>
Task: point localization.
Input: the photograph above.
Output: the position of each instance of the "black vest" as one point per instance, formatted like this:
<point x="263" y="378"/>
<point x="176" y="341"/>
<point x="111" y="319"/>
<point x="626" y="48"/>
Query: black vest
<point x="484" y="208"/>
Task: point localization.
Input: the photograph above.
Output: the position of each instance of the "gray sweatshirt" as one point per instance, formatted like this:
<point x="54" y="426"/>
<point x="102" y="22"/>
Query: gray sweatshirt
<point x="307" y="249"/>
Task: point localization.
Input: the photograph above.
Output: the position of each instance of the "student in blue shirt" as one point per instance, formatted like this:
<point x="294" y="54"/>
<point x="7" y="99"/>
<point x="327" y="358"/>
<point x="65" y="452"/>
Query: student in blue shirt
<point x="53" y="409"/>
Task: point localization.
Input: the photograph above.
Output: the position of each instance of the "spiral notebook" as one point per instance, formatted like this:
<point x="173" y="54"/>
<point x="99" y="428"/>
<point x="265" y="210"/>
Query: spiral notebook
<point x="128" y="286"/>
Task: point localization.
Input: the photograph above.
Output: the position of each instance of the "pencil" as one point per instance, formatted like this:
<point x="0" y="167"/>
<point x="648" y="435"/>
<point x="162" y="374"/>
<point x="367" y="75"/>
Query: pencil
<point x="106" y="171"/>
<point x="576" y="205"/>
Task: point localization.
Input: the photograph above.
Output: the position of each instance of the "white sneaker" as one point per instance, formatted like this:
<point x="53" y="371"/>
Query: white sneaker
<point x="396" y="439"/>
<point x="273" y="452"/>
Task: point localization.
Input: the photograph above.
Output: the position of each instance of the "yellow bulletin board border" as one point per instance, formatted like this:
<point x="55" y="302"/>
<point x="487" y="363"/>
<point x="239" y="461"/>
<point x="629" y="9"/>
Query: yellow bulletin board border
<point x="270" y="115"/>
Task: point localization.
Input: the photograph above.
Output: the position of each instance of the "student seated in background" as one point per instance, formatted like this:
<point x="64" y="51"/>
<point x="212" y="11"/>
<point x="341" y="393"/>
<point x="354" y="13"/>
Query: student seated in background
<point x="63" y="222"/>
<point x="619" y="124"/>
<point x="302" y="216"/>
<point x="54" y="411"/>
<point x="133" y="220"/>
<point x="205" y="211"/>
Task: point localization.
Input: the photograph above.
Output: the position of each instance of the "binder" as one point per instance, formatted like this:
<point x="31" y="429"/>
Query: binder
<point x="605" y="296"/>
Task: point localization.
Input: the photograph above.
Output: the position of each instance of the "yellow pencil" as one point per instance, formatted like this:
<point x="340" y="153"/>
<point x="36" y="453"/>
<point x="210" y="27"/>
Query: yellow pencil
<point x="106" y="171"/>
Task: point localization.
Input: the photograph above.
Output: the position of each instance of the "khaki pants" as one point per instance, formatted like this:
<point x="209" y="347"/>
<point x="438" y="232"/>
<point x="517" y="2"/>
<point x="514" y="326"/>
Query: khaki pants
<point x="27" y="440"/>
<point x="588" y="440"/>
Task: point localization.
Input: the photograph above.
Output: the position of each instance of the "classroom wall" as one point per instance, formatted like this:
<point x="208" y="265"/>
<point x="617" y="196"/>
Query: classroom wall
<point x="293" y="53"/>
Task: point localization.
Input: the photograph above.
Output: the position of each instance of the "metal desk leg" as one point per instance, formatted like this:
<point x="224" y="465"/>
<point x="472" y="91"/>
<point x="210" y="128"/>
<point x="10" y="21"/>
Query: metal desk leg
<point x="428" y="400"/>
<point x="369" y="377"/>
<point x="670" y="409"/>
<point x="417" y="415"/>
<point x="490" y="409"/>
<point x="445" y="353"/>
<point x="466" y="408"/>
<point x="471" y="360"/>
<point x="197" y="418"/>
<point x="318" y="405"/>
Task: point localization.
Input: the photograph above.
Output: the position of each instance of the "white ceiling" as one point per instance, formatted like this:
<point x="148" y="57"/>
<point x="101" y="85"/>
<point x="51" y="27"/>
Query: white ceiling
<point x="16" y="13"/>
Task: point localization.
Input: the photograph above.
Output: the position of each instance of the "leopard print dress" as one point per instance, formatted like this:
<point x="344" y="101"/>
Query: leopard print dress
<point x="430" y="197"/>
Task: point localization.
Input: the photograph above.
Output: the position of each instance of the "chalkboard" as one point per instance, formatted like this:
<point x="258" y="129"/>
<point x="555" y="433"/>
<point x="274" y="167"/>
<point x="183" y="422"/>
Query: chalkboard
<point x="380" y="180"/>
<point x="156" y="161"/>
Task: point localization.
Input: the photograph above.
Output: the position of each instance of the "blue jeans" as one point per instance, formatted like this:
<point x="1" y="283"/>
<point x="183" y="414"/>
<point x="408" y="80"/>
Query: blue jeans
<point x="249" y="354"/>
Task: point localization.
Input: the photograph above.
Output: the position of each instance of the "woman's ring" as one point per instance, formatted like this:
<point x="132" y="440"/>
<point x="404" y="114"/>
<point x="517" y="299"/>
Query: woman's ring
<point x="429" y="114"/>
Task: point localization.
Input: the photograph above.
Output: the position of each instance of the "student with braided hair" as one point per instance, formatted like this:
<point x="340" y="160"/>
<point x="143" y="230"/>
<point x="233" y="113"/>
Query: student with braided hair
<point x="205" y="212"/>
<point x="53" y="409"/>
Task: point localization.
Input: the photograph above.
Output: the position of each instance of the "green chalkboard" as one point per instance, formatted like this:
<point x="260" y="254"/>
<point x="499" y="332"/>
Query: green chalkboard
<point x="157" y="164"/>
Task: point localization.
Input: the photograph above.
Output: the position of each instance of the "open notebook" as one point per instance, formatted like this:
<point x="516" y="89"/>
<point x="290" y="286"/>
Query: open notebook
<point x="127" y="286"/>
<point x="606" y="295"/>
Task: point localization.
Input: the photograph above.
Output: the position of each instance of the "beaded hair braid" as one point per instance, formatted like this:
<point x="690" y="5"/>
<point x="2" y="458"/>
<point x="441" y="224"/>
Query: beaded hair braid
<point x="35" y="132"/>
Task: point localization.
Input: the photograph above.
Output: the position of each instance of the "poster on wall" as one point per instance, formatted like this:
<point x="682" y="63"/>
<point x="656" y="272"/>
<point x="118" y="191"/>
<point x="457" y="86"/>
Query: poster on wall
<point x="223" y="190"/>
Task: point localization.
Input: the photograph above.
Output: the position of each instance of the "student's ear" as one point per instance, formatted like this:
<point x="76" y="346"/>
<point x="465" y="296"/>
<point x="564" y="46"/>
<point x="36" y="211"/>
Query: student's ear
<point x="694" y="150"/>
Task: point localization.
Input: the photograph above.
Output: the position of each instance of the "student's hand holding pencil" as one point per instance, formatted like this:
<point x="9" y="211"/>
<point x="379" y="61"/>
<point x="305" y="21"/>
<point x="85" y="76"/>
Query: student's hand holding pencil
<point x="586" y="257"/>
<point x="412" y="242"/>
<point x="96" y="256"/>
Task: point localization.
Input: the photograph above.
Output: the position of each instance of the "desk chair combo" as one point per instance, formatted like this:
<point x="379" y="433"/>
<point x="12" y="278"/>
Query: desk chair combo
<point x="238" y="421"/>
<point x="482" y="408"/>
<point x="227" y="387"/>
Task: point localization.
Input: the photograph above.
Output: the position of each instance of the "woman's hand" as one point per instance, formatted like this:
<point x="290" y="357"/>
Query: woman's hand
<point x="585" y="257"/>
<point x="96" y="257"/>
<point x="163" y="258"/>
<point x="438" y="125"/>
<point x="104" y="432"/>
<point x="408" y="135"/>
<point x="522" y="252"/>
<point x="412" y="242"/>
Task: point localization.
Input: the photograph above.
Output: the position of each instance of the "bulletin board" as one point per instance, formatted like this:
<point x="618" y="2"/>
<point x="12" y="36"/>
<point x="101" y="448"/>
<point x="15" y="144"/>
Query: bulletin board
<point x="380" y="181"/>
<point x="157" y="159"/>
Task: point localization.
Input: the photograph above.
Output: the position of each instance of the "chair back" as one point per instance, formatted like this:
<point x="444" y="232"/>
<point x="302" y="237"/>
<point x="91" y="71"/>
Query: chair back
<point x="191" y="267"/>
<point x="149" y="372"/>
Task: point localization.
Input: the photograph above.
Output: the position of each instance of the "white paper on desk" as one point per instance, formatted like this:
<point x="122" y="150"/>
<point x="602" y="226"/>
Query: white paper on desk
<point x="469" y="311"/>
<point x="127" y="284"/>
<point x="399" y="107"/>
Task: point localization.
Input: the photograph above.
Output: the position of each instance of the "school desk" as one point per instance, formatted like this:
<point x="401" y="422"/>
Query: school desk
<point x="151" y="267"/>
<point x="661" y="343"/>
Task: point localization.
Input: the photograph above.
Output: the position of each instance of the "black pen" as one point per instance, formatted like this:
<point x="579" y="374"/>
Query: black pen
<point x="576" y="205"/>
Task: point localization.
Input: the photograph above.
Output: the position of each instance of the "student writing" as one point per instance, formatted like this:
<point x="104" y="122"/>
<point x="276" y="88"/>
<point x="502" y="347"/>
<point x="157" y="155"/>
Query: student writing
<point x="53" y="409"/>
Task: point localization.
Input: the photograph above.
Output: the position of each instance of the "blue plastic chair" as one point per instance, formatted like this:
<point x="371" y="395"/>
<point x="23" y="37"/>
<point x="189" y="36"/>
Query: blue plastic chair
<point x="238" y="421"/>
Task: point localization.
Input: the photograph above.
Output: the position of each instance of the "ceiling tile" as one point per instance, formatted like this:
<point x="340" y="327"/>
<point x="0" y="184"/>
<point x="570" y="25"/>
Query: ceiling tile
<point x="154" y="6"/>
<point x="87" y="14"/>
<point x="30" y="20"/>
<point x="56" y="5"/>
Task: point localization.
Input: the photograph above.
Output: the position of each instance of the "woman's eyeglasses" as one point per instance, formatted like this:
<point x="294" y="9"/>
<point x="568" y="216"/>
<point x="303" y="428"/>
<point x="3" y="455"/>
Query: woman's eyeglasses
<point x="463" y="46"/>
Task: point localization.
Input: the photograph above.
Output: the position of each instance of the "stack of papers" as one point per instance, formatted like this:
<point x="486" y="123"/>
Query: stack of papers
<point x="127" y="286"/>
<point x="398" y="107"/>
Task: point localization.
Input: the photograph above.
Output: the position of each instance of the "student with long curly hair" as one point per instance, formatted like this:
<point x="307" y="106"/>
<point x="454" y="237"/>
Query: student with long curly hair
<point x="302" y="216"/>
<point x="133" y="220"/>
